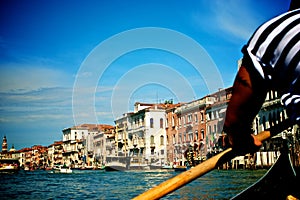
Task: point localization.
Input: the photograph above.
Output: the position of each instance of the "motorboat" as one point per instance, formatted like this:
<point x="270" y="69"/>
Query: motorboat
<point x="9" y="165"/>
<point x="62" y="169"/>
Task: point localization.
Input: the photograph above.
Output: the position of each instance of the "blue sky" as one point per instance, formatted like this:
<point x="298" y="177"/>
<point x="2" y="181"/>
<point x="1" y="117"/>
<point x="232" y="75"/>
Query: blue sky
<point x="69" y="62"/>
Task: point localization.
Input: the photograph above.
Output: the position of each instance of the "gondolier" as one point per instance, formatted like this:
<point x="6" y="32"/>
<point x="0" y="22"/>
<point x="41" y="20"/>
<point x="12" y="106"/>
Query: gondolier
<point x="271" y="61"/>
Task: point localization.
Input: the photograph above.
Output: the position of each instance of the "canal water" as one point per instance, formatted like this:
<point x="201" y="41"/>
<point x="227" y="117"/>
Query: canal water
<point x="98" y="184"/>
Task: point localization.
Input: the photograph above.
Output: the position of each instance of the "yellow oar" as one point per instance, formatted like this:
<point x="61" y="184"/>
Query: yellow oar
<point x="194" y="173"/>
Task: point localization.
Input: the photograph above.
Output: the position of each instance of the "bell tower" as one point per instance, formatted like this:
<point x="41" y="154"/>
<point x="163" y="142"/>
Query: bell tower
<point x="4" y="145"/>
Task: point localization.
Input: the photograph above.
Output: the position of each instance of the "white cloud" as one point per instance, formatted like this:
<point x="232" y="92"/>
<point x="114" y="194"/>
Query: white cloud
<point x="17" y="77"/>
<point x="236" y="18"/>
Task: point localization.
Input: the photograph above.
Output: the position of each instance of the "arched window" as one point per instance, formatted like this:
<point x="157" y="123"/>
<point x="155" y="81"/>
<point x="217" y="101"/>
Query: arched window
<point x="174" y="139"/>
<point x="161" y="123"/>
<point x="151" y="139"/>
<point x="151" y="123"/>
<point x="196" y="135"/>
<point x="202" y="134"/>
<point x="161" y="140"/>
<point x="173" y="121"/>
<point x="168" y="140"/>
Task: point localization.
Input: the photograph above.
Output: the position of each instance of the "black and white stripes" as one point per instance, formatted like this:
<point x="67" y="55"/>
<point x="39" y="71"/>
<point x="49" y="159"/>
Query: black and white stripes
<point x="274" y="47"/>
<point x="274" y="50"/>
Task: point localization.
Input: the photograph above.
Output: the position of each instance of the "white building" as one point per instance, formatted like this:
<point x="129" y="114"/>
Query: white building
<point x="73" y="148"/>
<point x="100" y="143"/>
<point x="147" y="134"/>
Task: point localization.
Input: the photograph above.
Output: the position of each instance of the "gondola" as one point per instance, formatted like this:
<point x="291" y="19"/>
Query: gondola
<point x="279" y="182"/>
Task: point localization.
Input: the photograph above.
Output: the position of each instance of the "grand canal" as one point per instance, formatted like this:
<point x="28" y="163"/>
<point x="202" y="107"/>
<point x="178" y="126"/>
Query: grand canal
<point x="98" y="184"/>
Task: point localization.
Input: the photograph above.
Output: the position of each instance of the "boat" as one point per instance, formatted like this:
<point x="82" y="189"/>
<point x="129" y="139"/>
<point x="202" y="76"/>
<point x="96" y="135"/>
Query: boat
<point x="180" y="168"/>
<point x="9" y="165"/>
<point x="62" y="169"/>
<point x="139" y="166"/>
<point x="115" y="166"/>
<point x="167" y="167"/>
<point x="101" y="167"/>
<point x="279" y="182"/>
<point x="118" y="163"/>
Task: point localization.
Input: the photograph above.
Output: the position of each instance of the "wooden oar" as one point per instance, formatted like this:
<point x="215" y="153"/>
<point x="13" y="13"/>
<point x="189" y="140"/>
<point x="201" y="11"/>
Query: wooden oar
<point x="194" y="173"/>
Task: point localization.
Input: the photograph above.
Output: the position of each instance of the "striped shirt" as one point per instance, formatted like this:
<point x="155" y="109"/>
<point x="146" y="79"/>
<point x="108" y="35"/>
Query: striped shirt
<point x="274" y="50"/>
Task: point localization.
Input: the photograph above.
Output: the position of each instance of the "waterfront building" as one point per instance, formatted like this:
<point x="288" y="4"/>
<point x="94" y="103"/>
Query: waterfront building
<point x="272" y="113"/>
<point x="55" y="154"/>
<point x="88" y="142"/>
<point x="105" y="131"/>
<point x="73" y="148"/>
<point x="39" y="156"/>
<point x="141" y="135"/>
<point x="147" y="133"/>
<point x="11" y="153"/>
<point x="89" y="145"/>
<point x="190" y="140"/>
<point x="215" y="116"/>
<point x="25" y="158"/>
<point x="111" y="148"/>
<point x="173" y="146"/>
<point x="137" y="132"/>
<point x="85" y="145"/>
<point x="121" y="135"/>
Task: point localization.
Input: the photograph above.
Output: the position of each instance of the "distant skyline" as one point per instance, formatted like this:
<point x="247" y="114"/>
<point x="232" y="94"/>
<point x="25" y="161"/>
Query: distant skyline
<point x="70" y="62"/>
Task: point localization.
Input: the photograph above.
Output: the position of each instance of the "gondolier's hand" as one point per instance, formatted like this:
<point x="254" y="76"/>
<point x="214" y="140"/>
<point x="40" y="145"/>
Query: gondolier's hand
<point x="242" y="144"/>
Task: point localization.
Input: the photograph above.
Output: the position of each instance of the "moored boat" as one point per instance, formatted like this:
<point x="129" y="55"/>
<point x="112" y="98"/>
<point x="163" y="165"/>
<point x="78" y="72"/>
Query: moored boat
<point x="9" y="165"/>
<point x="115" y="166"/>
<point x="62" y="169"/>
<point x="167" y="167"/>
<point x="118" y="163"/>
<point x="180" y="168"/>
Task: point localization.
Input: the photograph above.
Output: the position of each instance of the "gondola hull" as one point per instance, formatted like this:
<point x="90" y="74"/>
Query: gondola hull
<point x="279" y="182"/>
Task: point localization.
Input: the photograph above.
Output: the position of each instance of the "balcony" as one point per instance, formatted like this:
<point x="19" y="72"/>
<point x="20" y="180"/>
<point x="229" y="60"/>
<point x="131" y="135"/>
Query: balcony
<point x="141" y="144"/>
<point x="152" y="145"/>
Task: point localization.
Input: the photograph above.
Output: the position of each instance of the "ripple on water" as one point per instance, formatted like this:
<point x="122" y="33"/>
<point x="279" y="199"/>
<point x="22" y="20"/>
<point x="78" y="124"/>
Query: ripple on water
<point x="120" y="185"/>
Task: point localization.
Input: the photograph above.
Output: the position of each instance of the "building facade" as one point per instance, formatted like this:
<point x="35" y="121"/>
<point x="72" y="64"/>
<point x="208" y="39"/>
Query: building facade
<point x="73" y="147"/>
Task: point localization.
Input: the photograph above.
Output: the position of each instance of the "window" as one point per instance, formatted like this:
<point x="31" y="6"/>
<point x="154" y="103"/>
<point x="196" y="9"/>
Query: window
<point x="202" y="116"/>
<point x="202" y="134"/>
<point x="161" y="140"/>
<point x="161" y="122"/>
<point x="191" y="136"/>
<point x="151" y="139"/>
<point x="189" y="118"/>
<point x="196" y="117"/>
<point x="173" y="121"/>
<point x="208" y="116"/>
<point x="174" y="139"/>
<point x="151" y="123"/>
<point x="212" y="116"/>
